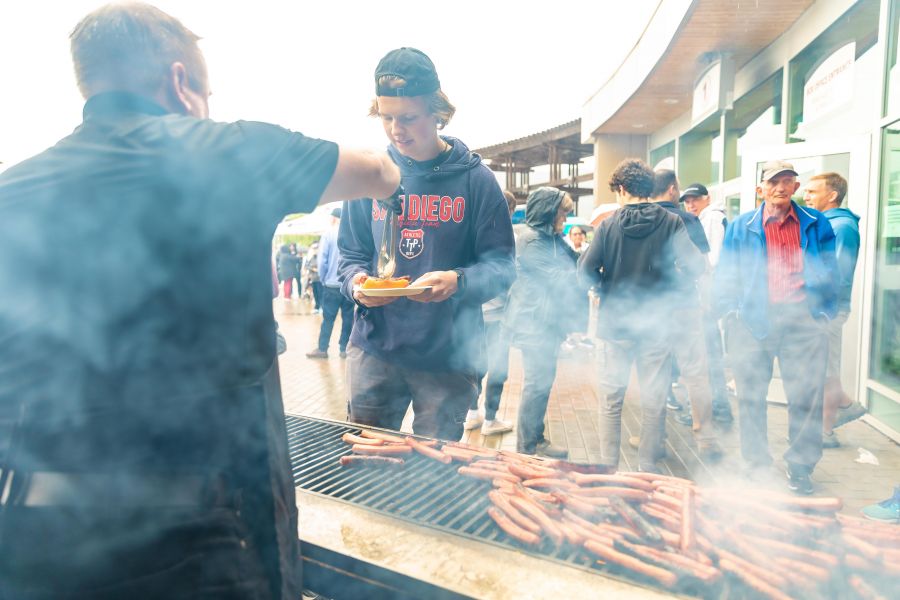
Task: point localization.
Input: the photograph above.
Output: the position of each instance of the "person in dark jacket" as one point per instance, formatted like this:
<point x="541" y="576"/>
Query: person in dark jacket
<point x="455" y="237"/>
<point x="142" y="434"/>
<point x="286" y="263"/>
<point x="776" y="288"/>
<point x="543" y="308"/>
<point x="825" y="193"/>
<point x="642" y="258"/>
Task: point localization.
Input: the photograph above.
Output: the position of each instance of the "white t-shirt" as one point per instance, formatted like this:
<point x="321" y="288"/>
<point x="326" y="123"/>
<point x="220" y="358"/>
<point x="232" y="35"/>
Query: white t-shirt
<point x="713" y="221"/>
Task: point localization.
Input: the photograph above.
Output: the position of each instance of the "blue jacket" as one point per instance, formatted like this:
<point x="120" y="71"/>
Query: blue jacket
<point x="741" y="279"/>
<point x="454" y="217"/>
<point x="846" y="248"/>
<point x="329" y="258"/>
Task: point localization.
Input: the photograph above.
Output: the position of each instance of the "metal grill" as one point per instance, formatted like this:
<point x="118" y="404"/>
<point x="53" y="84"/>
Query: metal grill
<point x="424" y="491"/>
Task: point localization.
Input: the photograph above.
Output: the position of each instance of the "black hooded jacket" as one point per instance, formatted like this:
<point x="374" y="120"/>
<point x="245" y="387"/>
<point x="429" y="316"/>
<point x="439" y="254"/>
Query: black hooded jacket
<point x="641" y="257"/>
<point x="546" y="302"/>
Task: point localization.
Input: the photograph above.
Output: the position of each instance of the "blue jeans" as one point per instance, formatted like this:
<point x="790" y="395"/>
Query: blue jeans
<point x="332" y="302"/>
<point x="539" y="364"/>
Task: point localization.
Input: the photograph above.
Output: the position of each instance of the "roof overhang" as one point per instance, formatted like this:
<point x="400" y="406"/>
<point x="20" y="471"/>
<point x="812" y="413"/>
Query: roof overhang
<point x="654" y="84"/>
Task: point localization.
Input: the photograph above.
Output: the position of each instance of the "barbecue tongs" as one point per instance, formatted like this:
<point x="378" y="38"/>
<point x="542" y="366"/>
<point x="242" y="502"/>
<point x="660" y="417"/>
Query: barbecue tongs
<point x="387" y="254"/>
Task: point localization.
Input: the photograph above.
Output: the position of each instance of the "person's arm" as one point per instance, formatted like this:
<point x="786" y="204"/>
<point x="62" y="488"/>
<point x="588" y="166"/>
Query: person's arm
<point x="360" y="173"/>
<point x="726" y="280"/>
<point x="591" y="260"/>
<point x="827" y="254"/>
<point x="325" y="252"/>
<point x="493" y="269"/>
<point x="846" y="251"/>
<point x="688" y="257"/>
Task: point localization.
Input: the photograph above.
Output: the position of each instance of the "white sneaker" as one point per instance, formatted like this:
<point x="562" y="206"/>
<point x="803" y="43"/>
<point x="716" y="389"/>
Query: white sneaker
<point x="473" y="422"/>
<point x="495" y="426"/>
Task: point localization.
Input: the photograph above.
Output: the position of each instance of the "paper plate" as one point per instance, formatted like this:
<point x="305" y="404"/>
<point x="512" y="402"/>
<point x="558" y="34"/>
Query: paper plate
<point x="393" y="292"/>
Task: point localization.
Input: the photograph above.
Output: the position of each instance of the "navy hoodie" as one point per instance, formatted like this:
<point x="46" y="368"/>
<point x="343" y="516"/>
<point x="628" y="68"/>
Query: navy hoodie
<point x="454" y="217"/>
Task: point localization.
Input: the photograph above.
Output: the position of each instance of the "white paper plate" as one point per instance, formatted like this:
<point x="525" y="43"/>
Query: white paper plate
<point x="394" y="292"/>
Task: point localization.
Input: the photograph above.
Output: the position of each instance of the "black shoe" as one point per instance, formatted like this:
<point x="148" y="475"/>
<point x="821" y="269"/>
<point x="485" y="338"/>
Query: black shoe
<point x="798" y="480"/>
<point x="721" y="412"/>
<point x="545" y="448"/>
<point x="317" y="354"/>
<point x="685" y="418"/>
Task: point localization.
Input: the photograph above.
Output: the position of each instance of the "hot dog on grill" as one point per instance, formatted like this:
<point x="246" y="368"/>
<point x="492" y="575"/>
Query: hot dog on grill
<point x="428" y="451"/>
<point x="356" y="439"/>
<point x="511" y="529"/>
<point x="370" y="461"/>
<point x="387" y="450"/>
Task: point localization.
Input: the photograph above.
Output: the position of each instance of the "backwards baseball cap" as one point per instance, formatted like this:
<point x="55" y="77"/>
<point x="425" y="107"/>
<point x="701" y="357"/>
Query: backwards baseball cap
<point x="695" y="189"/>
<point x="336" y="212"/>
<point x="411" y="65"/>
<point x="773" y="168"/>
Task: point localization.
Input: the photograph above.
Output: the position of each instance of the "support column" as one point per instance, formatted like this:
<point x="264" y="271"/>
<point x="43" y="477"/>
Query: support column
<point x="609" y="151"/>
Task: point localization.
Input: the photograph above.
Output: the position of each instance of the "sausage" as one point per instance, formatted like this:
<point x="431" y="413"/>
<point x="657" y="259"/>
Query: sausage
<point x="486" y="474"/>
<point x="863" y="589"/>
<point x="458" y="454"/>
<point x="669" y="522"/>
<point x="386" y="450"/>
<point x="550" y="482"/>
<point x="825" y="505"/>
<point x="620" y="480"/>
<point x="621" y="492"/>
<point x="752" y="580"/>
<point x="428" y="451"/>
<point x="704" y="572"/>
<point x="511" y="529"/>
<point x="377" y="435"/>
<point x="481" y="463"/>
<point x="585" y="468"/>
<point x="638" y="522"/>
<point x="530" y="471"/>
<point x="537" y="513"/>
<point x="501" y="501"/>
<point x="687" y="521"/>
<point x="861" y="546"/>
<point x="479" y="450"/>
<point x="613" y="556"/>
<point x="355" y="439"/>
<point x="819" y="574"/>
<point x="765" y="574"/>
<point x="829" y="561"/>
<point x="575" y="504"/>
<point x="371" y="461"/>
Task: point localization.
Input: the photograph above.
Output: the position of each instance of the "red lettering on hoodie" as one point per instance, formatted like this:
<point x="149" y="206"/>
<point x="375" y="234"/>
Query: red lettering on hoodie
<point x="412" y="208"/>
<point x="431" y="207"/>
<point x="459" y="209"/>
<point x="446" y="208"/>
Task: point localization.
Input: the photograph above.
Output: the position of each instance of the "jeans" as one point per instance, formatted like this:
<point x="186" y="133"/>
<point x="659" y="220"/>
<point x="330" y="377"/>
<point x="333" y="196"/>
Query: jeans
<point x="381" y="391"/>
<point x="801" y="345"/>
<point x="539" y="364"/>
<point x="332" y="302"/>
<point x="654" y="369"/>
<point x="498" y="369"/>
<point x="689" y="349"/>
<point x="715" y="358"/>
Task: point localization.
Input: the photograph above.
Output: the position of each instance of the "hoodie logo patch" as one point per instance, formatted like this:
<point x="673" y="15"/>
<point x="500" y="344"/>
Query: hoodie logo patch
<point x="412" y="242"/>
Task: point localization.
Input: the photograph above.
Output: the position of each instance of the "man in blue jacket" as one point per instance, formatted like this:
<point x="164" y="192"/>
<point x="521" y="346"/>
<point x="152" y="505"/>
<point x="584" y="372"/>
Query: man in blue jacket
<point x="825" y="193"/>
<point x="455" y="237"/>
<point x="776" y="285"/>
<point x="333" y="301"/>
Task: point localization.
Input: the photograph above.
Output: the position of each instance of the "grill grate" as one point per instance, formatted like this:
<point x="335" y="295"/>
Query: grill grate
<point x="424" y="491"/>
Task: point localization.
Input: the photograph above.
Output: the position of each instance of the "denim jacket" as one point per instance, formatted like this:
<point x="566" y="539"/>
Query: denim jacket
<point x="741" y="280"/>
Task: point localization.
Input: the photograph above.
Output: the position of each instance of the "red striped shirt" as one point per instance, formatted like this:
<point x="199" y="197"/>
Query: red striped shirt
<point x="784" y="257"/>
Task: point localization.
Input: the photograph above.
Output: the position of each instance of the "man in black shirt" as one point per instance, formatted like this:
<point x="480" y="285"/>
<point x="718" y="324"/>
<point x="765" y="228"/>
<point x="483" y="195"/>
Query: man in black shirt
<point x="143" y="442"/>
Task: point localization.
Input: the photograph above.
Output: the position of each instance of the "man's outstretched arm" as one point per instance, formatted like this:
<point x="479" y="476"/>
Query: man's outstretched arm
<point x="361" y="174"/>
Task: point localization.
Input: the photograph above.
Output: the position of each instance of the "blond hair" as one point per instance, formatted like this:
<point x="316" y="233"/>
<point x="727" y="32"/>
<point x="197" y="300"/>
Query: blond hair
<point x="437" y="102"/>
<point x="835" y="183"/>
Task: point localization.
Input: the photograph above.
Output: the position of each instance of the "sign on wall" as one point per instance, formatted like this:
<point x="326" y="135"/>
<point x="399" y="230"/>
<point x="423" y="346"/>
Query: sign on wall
<point x="707" y="91"/>
<point x="830" y="86"/>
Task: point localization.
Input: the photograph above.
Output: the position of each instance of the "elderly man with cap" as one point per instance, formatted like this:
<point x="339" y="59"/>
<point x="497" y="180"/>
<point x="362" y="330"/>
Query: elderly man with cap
<point x="453" y="236"/>
<point x="776" y="285"/>
<point x="712" y="218"/>
<point x="332" y="299"/>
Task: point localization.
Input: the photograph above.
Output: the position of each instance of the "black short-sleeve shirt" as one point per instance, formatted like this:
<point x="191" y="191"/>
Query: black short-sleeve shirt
<point x="135" y="259"/>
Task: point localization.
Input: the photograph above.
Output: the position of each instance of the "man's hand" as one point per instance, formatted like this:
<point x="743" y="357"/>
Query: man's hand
<point x="369" y="301"/>
<point x="393" y="202"/>
<point x="443" y="285"/>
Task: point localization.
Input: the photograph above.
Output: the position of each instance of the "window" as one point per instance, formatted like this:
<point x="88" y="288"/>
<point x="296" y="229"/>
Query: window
<point x="663" y="157"/>
<point x="755" y="120"/>
<point x="700" y="152"/>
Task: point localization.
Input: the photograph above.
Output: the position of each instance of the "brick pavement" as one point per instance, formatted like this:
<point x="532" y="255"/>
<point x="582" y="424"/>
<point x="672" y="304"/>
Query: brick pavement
<point x="316" y="388"/>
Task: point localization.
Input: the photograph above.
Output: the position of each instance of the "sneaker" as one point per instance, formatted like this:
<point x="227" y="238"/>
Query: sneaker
<point x="317" y="354"/>
<point x="849" y="413"/>
<point x="473" y="420"/>
<point x="672" y="403"/>
<point x="586" y="344"/>
<point x="721" y="412"/>
<point x="685" y="419"/>
<point x="494" y="426"/>
<point x="545" y="448"/>
<point x="567" y="346"/>
<point x="830" y="440"/>
<point x="886" y="511"/>
<point x="798" y="480"/>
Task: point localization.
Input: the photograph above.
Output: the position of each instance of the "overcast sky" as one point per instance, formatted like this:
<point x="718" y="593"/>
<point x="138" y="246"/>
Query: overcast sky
<point x="511" y="67"/>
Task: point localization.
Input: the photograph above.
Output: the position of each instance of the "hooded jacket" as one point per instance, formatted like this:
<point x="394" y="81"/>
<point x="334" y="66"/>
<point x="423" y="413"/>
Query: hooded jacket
<point x="454" y="217"/>
<point x="546" y="302"/>
<point x="846" y="250"/>
<point x="741" y="279"/>
<point x="642" y="257"/>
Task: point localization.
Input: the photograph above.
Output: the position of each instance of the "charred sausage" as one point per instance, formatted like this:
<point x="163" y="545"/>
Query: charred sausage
<point x="371" y="461"/>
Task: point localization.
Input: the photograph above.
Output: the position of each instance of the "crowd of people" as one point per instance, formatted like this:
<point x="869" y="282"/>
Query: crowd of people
<point x="143" y="439"/>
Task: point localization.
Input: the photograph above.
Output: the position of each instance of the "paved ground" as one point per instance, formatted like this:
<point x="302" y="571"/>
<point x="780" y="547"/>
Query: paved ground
<point x="316" y="388"/>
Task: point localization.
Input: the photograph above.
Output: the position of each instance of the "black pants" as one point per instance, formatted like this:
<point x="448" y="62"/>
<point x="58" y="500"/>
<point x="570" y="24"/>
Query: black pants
<point x="539" y="364"/>
<point x="332" y="302"/>
<point x="381" y="392"/>
<point x="498" y="369"/>
<point x="801" y="345"/>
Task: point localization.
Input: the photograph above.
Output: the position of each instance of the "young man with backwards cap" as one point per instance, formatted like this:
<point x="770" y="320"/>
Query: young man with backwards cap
<point x="776" y="285"/>
<point x="333" y="301"/>
<point x="712" y="218"/>
<point x="455" y="236"/>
